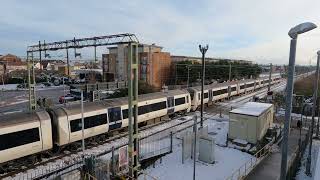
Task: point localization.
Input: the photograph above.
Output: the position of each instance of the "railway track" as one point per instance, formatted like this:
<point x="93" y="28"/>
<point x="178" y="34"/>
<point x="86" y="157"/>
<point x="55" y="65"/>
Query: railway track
<point x="120" y="140"/>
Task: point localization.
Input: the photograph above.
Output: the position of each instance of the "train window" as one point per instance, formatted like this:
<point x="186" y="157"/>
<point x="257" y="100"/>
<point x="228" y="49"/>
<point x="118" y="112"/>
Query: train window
<point x="250" y="85"/>
<point x="205" y="95"/>
<point x="215" y="93"/>
<point x="242" y="86"/>
<point x="89" y="122"/>
<point x="125" y="113"/>
<point x="158" y="106"/>
<point x="180" y="101"/>
<point x="142" y="110"/>
<point x="114" y="114"/>
<point x="224" y="91"/>
<point x="170" y="102"/>
<point x="19" y="138"/>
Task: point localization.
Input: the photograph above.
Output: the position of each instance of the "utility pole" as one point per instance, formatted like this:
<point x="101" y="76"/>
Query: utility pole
<point x="270" y="74"/>
<point x="40" y="61"/>
<point x="315" y="97"/>
<point x="229" y="71"/>
<point x="195" y="145"/>
<point x="133" y="110"/>
<point x="68" y="59"/>
<point x="188" y="75"/>
<point x="317" y="132"/>
<point x="293" y="33"/>
<point x="203" y="51"/>
<point x="284" y="154"/>
<point x="82" y="125"/>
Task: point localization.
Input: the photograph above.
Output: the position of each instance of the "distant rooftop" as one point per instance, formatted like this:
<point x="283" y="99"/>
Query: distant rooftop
<point x="252" y="109"/>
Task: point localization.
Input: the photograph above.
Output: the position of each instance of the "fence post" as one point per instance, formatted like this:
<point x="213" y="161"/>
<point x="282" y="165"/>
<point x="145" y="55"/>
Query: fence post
<point x="171" y="142"/>
<point x="112" y="161"/>
<point x="182" y="150"/>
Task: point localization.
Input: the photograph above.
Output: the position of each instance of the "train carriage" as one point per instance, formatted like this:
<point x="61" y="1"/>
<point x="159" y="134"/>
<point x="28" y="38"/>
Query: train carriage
<point x="195" y="94"/>
<point x="103" y="116"/>
<point x="23" y="134"/>
<point x="242" y="87"/>
<point x="250" y="85"/>
<point x="67" y="122"/>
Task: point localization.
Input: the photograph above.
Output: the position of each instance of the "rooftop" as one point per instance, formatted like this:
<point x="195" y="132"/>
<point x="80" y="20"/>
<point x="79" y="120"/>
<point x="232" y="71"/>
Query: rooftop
<point x="252" y="109"/>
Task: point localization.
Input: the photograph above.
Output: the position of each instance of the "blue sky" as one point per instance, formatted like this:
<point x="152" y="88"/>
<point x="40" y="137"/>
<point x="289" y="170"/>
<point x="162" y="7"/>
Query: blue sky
<point x="247" y="29"/>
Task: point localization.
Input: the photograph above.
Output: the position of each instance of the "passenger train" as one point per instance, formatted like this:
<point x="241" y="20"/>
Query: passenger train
<point x="25" y="134"/>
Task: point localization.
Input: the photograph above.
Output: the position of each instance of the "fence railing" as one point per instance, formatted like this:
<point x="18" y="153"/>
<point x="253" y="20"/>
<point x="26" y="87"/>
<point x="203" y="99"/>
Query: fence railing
<point x="247" y="167"/>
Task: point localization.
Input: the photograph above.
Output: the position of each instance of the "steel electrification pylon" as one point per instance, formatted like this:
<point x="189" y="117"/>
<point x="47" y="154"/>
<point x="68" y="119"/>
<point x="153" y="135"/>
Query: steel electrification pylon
<point x="133" y="63"/>
<point x="31" y="82"/>
<point x="74" y="43"/>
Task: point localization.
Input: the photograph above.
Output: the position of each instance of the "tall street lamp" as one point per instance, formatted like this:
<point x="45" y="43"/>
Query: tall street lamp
<point x="203" y="51"/>
<point x="293" y="33"/>
<point x="314" y="105"/>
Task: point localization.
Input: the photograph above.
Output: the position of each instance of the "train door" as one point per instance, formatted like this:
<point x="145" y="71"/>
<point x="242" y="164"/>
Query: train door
<point x="210" y="95"/>
<point x="170" y="105"/>
<point x="229" y="91"/>
<point x="115" y="118"/>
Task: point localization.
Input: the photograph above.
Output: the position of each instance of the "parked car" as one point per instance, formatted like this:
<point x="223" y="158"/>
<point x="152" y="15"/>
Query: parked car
<point x="47" y="84"/>
<point x="66" y="98"/>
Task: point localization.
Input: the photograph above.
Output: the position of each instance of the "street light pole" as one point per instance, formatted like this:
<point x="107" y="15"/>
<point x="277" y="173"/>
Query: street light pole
<point x="314" y="105"/>
<point x="293" y="33"/>
<point x="317" y="132"/>
<point x="203" y="51"/>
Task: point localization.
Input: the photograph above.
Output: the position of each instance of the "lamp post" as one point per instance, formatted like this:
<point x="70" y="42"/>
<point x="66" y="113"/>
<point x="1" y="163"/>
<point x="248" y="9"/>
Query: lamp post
<point x="314" y="105"/>
<point x="293" y="33"/>
<point x="317" y="131"/>
<point x="203" y="51"/>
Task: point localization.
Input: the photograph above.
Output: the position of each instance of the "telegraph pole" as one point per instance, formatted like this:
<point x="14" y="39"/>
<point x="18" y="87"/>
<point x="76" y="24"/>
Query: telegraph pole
<point x="203" y="51"/>
<point x="270" y="73"/>
<point x="188" y="75"/>
<point x="229" y="71"/>
<point x="315" y="96"/>
<point x="40" y="61"/>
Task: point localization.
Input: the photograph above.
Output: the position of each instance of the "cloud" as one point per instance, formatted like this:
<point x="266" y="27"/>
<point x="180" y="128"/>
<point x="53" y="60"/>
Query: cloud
<point x="248" y="29"/>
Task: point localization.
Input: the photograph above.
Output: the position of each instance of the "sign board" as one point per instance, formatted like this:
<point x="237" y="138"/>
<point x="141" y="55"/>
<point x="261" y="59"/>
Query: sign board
<point x="123" y="156"/>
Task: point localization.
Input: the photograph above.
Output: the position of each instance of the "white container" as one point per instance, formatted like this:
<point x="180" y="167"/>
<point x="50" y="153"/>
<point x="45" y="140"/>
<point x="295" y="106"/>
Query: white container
<point x="250" y="122"/>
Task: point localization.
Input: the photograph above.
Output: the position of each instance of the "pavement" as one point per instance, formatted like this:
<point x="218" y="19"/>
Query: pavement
<point x="269" y="168"/>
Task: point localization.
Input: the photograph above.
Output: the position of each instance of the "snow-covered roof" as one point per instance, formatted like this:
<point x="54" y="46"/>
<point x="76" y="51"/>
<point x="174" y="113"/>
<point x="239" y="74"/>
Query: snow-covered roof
<point x="252" y="108"/>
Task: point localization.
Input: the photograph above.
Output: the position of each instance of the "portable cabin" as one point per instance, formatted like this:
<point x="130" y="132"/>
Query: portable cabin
<point x="250" y="122"/>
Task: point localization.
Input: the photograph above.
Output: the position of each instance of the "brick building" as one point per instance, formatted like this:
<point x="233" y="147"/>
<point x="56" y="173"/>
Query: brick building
<point x="154" y="67"/>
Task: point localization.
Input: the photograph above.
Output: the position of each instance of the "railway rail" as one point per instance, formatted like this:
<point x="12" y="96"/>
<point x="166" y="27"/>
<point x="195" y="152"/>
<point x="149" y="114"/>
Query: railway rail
<point x="120" y="140"/>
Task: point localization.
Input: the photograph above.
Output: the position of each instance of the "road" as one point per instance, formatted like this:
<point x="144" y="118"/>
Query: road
<point x="16" y="101"/>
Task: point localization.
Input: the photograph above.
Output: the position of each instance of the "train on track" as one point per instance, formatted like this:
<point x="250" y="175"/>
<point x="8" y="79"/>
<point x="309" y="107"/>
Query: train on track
<point x="32" y="134"/>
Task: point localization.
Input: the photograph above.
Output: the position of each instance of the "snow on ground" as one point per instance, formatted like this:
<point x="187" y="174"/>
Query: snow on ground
<point x="227" y="160"/>
<point x="315" y="163"/>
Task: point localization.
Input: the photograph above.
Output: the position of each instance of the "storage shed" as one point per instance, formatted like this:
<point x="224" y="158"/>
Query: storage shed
<point x="250" y="122"/>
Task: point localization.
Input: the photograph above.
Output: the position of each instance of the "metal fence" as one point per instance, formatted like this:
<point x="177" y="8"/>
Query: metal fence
<point x="155" y="145"/>
<point x="247" y="167"/>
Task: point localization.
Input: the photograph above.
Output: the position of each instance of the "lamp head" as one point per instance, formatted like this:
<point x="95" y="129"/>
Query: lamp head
<point x="301" y="28"/>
